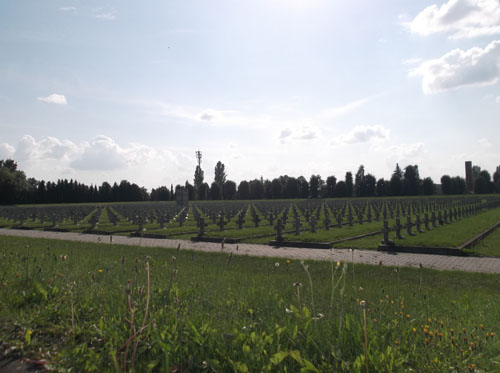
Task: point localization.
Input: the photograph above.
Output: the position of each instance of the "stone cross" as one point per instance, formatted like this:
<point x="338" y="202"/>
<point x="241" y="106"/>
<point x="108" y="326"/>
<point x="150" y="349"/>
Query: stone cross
<point x="256" y="220"/>
<point x="240" y="221"/>
<point x="221" y="222"/>
<point x="327" y="222"/>
<point x="201" y="224"/>
<point x="385" y="231"/>
<point x="279" y="230"/>
<point x="409" y="224"/>
<point x="312" y="224"/>
<point x="418" y="223"/>
<point x="297" y="224"/>
<point x="426" y="221"/>
<point x="397" y="228"/>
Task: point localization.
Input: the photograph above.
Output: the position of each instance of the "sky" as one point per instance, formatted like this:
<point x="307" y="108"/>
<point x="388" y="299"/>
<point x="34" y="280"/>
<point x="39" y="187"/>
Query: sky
<point x="112" y="90"/>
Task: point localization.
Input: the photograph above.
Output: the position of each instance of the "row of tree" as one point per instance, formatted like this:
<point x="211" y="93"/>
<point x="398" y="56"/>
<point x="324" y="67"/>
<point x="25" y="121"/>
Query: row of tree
<point x="16" y="188"/>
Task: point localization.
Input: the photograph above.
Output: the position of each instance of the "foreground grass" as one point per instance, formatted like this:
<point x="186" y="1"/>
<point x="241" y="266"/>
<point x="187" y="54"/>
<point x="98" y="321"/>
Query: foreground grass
<point x="69" y="303"/>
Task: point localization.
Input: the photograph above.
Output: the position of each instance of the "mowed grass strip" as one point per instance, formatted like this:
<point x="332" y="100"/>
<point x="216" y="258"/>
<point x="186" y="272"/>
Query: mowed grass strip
<point x="76" y="305"/>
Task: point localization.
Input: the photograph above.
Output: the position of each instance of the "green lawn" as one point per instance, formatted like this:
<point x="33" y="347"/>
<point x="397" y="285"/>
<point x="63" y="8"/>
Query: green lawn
<point x="68" y="302"/>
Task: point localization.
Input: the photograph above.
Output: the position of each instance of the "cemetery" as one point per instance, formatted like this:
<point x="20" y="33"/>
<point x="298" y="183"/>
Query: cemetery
<point x="382" y="223"/>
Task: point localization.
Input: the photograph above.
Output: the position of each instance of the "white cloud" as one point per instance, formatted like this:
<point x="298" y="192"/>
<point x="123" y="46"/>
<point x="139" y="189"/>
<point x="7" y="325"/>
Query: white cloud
<point x="498" y="99"/>
<point x="54" y="99"/>
<point x="6" y="151"/>
<point x="463" y="18"/>
<point x="206" y="116"/>
<point x="68" y="9"/>
<point x="362" y="134"/>
<point x="407" y="151"/>
<point x="307" y="132"/>
<point x="460" y="68"/>
<point x="484" y="143"/>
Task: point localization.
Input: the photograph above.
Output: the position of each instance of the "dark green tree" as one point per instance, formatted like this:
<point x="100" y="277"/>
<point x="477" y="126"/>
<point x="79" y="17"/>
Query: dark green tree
<point x="331" y="181"/>
<point x="303" y="187"/>
<point x="229" y="190"/>
<point x="315" y="185"/>
<point x="220" y="174"/>
<point x="348" y="184"/>
<point x="244" y="190"/>
<point x="370" y="184"/>
<point x="428" y="186"/>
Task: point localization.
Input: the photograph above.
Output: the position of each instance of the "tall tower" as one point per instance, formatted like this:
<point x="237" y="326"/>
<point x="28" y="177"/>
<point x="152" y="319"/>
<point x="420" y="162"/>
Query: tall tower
<point x="468" y="176"/>
<point x="198" y="157"/>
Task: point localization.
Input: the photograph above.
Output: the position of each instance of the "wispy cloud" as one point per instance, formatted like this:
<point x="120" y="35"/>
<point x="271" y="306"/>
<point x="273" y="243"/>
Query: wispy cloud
<point x="105" y="14"/>
<point x="53" y="99"/>
<point x="338" y="111"/>
<point x="71" y="9"/>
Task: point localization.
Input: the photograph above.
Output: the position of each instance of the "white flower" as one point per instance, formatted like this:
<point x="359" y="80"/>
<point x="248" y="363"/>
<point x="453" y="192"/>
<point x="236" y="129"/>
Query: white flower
<point x="276" y="264"/>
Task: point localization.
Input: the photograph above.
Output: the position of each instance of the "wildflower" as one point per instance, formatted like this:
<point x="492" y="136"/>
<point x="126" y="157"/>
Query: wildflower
<point x="99" y="270"/>
<point x="360" y="288"/>
<point x="482" y="326"/>
<point x="431" y="334"/>
<point x="396" y="342"/>
<point x="492" y="334"/>
<point x="287" y="261"/>
<point x="287" y="310"/>
<point x="362" y="304"/>
<point x="174" y="258"/>
<point x="408" y="316"/>
<point x="427" y="341"/>
<point x="452" y="331"/>
<point x="297" y="284"/>
<point x="276" y="264"/>
<point x="414" y="330"/>
<point x="426" y="330"/>
<point x="338" y="263"/>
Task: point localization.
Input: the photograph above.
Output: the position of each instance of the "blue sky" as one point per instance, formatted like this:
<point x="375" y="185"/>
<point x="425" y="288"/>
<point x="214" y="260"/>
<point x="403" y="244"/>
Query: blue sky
<point x="110" y="90"/>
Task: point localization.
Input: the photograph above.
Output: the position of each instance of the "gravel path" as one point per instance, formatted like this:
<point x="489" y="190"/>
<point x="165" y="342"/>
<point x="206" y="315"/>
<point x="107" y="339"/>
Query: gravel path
<point x="441" y="262"/>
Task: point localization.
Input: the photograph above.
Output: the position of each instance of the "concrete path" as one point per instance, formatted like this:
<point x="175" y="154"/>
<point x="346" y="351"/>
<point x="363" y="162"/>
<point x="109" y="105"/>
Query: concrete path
<point x="441" y="262"/>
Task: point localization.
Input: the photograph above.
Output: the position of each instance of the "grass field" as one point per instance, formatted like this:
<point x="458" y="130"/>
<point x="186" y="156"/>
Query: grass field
<point x="87" y="307"/>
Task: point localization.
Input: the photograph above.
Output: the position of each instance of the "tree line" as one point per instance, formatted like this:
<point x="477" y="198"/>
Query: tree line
<point x="16" y="188"/>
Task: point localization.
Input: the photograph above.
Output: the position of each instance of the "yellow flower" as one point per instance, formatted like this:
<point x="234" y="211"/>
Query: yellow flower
<point x="431" y="334"/>
<point x="414" y="330"/>
<point x="426" y="341"/>
<point x="288" y="261"/>
<point x="338" y="263"/>
<point x="99" y="270"/>
<point x="426" y="330"/>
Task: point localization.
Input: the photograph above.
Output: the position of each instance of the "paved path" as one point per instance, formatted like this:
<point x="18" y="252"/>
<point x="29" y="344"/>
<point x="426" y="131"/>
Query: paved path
<point x="442" y="262"/>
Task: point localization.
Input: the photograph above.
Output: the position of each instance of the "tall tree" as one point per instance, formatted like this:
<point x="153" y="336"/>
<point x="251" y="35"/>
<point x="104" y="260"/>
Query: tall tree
<point x="348" y="184"/>
<point x="446" y="185"/>
<point x="220" y="174"/>
<point x="331" y="181"/>
<point x="315" y="185"/>
<point x="291" y="189"/>
<point x="359" y="182"/>
<point x="370" y="184"/>
<point x="303" y="187"/>
<point x="412" y="179"/>
<point x="198" y="178"/>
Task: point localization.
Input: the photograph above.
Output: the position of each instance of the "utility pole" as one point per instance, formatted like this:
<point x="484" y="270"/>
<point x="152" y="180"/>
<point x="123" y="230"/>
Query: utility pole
<point x="198" y="157"/>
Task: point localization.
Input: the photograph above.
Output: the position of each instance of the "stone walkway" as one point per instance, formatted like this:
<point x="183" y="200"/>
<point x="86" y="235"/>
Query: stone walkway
<point x="441" y="262"/>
